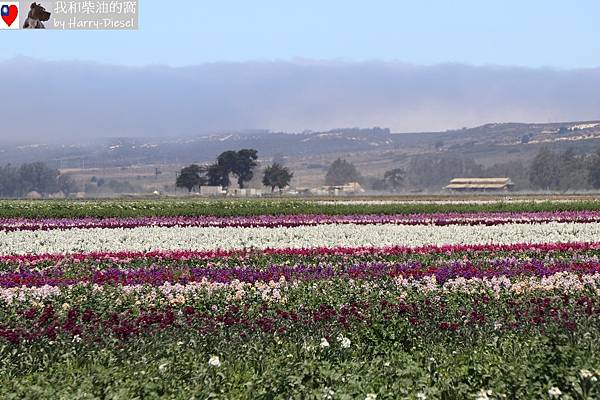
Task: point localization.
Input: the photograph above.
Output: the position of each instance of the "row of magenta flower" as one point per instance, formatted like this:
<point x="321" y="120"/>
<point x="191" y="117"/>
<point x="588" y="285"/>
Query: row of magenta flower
<point x="322" y="309"/>
<point x="444" y="263"/>
<point x="482" y="218"/>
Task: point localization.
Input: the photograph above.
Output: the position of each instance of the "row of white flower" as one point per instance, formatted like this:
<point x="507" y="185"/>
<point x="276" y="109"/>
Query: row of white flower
<point x="209" y="238"/>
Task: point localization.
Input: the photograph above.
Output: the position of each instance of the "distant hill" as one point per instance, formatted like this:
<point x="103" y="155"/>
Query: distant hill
<point x="79" y="102"/>
<point x="487" y="144"/>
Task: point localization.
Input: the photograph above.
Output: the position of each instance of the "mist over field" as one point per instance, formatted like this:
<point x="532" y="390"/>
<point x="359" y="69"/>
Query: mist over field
<point x="80" y="100"/>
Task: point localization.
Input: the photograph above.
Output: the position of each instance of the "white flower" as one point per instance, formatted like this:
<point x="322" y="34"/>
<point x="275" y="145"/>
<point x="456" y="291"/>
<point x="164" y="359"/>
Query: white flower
<point x="344" y="341"/>
<point x="585" y="374"/>
<point x="163" y="367"/>
<point x="371" y="396"/>
<point x="484" y="394"/>
<point x="214" y="361"/>
<point x="144" y="238"/>
<point x="421" y="396"/>
<point x="324" y="343"/>
<point x="554" y="392"/>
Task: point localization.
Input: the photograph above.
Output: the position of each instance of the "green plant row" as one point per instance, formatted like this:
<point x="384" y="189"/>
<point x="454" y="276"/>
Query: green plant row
<point x="172" y="207"/>
<point x="175" y="366"/>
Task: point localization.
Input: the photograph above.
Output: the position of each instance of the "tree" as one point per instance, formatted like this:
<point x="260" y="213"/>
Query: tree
<point x="277" y="175"/>
<point x="66" y="184"/>
<point x="341" y="172"/>
<point x="38" y="177"/>
<point x="544" y="172"/>
<point x="9" y="181"/>
<point x="240" y="163"/>
<point x="394" y="178"/>
<point x="574" y="171"/>
<point x="218" y="175"/>
<point x="594" y="169"/>
<point x="190" y="177"/>
<point x="246" y="161"/>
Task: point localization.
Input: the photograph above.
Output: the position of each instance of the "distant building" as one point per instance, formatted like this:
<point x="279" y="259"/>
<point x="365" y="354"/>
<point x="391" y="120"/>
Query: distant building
<point x="479" y="185"/>
<point x="348" y="188"/>
<point x="211" y="191"/>
<point x="246" y="192"/>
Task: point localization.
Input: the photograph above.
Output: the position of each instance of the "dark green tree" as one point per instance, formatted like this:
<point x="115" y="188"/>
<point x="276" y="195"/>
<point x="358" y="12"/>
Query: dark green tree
<point x="246" y="161"/>
<point x="277" y="175"/>
<point x="394" y="178"/>
<point x="66" y="184"/>
<point x="191" y="177"/>
<point x="38" y="177"/>
<point x="594" y="169"/>
<point x="218" y="175"/>
<point x="9" y="181"/>
<point x="544" y="172"/>
<point x="341" y="172"/>
<point x="239" y="163"/>
<point x="574" y="171"/>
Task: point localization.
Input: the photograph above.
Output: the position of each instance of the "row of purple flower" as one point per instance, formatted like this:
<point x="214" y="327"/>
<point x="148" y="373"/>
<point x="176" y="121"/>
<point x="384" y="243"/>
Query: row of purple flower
<point x="494" y="218"/>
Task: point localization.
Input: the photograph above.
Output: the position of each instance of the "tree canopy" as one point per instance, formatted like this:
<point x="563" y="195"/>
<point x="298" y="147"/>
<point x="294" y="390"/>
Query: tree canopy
<point x="277" y="175"/>
<point x="544" y="172"/>
<point x="191" y="177"/>
<point x="341" y="172"/>
<point x="32" y="177"/>
<point x="394" y="179"/>
<point x="239" y="163"/>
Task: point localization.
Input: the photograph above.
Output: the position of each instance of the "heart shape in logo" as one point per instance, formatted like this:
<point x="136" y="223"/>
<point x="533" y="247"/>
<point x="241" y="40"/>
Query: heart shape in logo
<point x="12" y="14"/>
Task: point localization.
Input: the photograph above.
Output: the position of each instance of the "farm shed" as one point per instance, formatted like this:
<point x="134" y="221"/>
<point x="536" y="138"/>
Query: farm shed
<point x="479" y="184"/>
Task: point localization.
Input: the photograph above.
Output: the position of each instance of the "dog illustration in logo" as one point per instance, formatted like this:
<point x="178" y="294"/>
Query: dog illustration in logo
<point x="37" y="15"/>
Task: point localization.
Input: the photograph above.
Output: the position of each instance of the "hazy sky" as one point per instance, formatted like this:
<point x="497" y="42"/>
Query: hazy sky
<point x="534" y="33"/>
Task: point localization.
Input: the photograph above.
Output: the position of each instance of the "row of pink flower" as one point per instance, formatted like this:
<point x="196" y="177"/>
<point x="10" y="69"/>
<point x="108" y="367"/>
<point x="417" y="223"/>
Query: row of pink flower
<point x="495" y="218"/>
<point x="183" y="255"/>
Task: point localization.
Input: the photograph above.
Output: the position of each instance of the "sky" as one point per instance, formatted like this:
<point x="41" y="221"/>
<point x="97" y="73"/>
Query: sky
<point x="531" y="33"/>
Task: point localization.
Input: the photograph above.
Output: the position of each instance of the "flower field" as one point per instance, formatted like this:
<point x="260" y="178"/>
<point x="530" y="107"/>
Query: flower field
<point x="472" y="301"/>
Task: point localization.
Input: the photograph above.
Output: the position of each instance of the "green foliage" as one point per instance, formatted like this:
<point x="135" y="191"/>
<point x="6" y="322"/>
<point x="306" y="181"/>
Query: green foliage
<point x="191" y="177"/>
<point x="218" y="175"/>
<point x="341" y="172"/>
<point x="394" y="178"/>
<point x="595" y="169"/>
<point x="38" y="177"/>
<point x="245" y="163"/>
<point x="239" y="163"/>
<point x="67" y="185"/>
<point x="379" y="361"/>
<point x="222" y="207"/>
<point x="553" y="171"/>
<point x="277" y="175"/>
